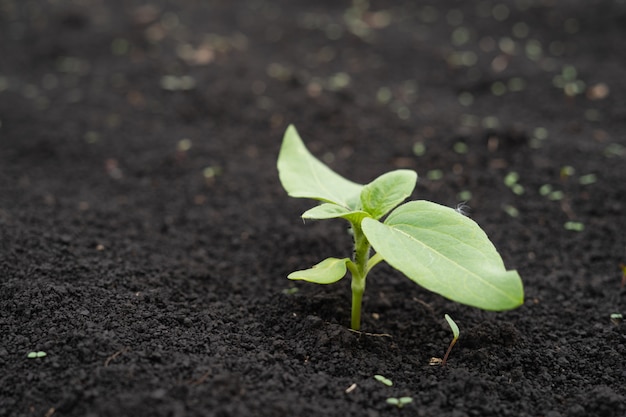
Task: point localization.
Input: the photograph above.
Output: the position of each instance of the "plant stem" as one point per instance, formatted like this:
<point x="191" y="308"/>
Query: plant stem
<point x="358" y="286"/>
<point x="359" y="269"/>
<point x="445" y="358"/>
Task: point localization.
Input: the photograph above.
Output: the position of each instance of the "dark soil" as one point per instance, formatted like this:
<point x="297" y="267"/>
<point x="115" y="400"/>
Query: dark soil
<point x="145" y="238"/>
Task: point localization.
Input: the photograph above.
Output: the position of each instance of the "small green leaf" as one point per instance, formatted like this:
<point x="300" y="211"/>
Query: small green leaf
<point x="333" y="211"/>
<point x="328" y="271"/>
<point x="383" y="380"/>
<point x="387" y="191"/>
<point x="405" y="400"/>
<point x="556" y="195"/>
<point x="393" y="401"/>
<point x="447" y="253"/>
<point x="587" y="179"/>
<point x="511" y="179"/>
<point x="304" y="176"/>
<point x="434" y="174"/>
<point x="34" y="355"/>
<point x="574" y="226"/>
<point x="399" y="402"/>
<point x="511" y="210"/>
<point x="453" y="326"/>
<point x="545" y="189"/>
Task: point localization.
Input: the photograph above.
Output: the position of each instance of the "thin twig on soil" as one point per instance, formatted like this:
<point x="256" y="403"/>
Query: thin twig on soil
<point x="372" y="334"/>
<point x="115" y="355"/>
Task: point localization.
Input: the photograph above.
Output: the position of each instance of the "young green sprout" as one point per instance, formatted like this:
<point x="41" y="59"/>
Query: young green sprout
<point x="399" y="402"/>
<point x="455" y="334"/>
<point x="616" y="318"/>
<point x="433" y="245"/>
<point x="383" y="380"/>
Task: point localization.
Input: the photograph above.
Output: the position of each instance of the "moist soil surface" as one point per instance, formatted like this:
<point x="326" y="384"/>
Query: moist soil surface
<point x="146" y="239"/>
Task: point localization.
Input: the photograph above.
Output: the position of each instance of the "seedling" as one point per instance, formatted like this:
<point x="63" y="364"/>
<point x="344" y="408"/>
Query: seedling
<point x="35" y="355"/>
<point x="383" y="380"/>
<point x="574" y="226"/>
<point x="290" y="291"/>
<point x="616" y="318"/>
<point x="399" y="402"/>
<point x="455" y="334"/>
<point x="433" y="245"/>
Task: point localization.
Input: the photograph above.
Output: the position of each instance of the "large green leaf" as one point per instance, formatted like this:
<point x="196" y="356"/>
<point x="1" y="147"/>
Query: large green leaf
<point x="387" y="191"/>
<point x="447" y="253"/>
<point x="328" y="271"/>
<point x="333" y="211"/>
<point x="304" y="176"/>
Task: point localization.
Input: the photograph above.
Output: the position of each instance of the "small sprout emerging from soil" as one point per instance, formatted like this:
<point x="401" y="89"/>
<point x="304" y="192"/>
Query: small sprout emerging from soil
<point x="465" y="196"/>
<point x="574" y="226"/>
<point x="541" y="133"/>
<point x="35" y="355"/>
<point x="461" y="148"/>
<point x="399" y="402"/>
<point x="556" y="195"/>
<point x="434" y="174"/>
<point x="510" y="210"/>
<point x="587" y="179"/>
<point x="569" y="82"/>
<point x="615" y="150"/>
<point x="211" y="172"/>
<point x="455" y="334"/>
<point x="383" y="380"/>
<point x="419" y="149"/>
<point x="510" y="180"/>
<point x="433" y="245"/>
<point x="566" y="172"/>
<point x="545" y="189"/>
<point x="174" y="83"/>
<point x="616" y="318"/>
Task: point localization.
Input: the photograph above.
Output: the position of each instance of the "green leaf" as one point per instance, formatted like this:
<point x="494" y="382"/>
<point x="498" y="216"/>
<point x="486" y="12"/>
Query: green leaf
<point x="387" y="191"/>
<point x="383" y="380"/>
<point x="328" y="271"/>
<point x="453" y="326"/>
<point x="447" y="253"/>
<point x="405" y="400"/>
<point x="304" y="176"/>
<point x="333" y="211"/>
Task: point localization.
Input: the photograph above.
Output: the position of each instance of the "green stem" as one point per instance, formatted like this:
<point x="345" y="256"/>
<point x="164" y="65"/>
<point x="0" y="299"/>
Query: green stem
<point x="358" y="268"/>
<point x="358" y="286"/>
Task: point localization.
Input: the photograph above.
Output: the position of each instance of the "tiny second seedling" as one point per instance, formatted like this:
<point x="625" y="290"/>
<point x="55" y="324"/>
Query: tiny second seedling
<point x="399" y="402"/>
<point x="433" y="245"/>
<point x="383" y="380"/>
<point x="455" y="337"/>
